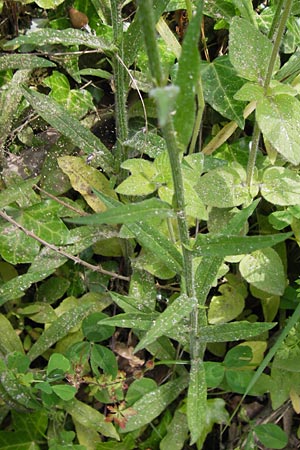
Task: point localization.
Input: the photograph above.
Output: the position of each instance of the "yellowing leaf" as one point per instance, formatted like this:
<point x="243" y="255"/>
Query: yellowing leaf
<point x="295" y="398"/>
<point x="84" y="178"/>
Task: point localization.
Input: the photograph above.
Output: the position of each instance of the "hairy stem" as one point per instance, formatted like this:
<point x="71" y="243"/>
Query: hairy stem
<point x="120" y="84"/>
<point x="256" y="133"/>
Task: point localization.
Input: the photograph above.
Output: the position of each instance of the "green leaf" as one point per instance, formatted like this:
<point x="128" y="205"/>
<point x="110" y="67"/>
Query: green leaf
<point x="227" y="306"/>
<point x="70" y="36"/>
<point x="14" y="440"/>
<point x="235" y="331"/>
<point x="18" y="192"/>
<point x="149" y="237"/>
<point x="177" y="433"/>
<point x="58" y="362"/>
<point x="77" y="102"/>
<point x="139" y="320"/>
<point x="23" y="62"/>
<point x="278" y="119"/>
<point x="48" y="4"/>
<point x="271" y="435"/>
<point x="246" y="10"/>
<point x="133" y="39"/>
<point x="90" y="418"/>
<point x="223" y="187"/>
<point x="15" y="287"/>
<point x="180" y="308"/>
<point x="264" y="269"/>
<point x="215" y="413"/>
<point x="58" y="330"/>
<point x="152" y="404"/>
<point x="220" y="83"/>
<point x="64" y="391"/>
<point x="91" y="329"/>
<point x="10" y="341"/>
<point x="281" y="186"/>
<point x="83" y="177"/>
<point x="238" y="356"/>
<point x="32" y="425"/>
<point x="249" y="50"/>
<point x="222" y="246"/>
<point x="138" y="389"/>
<point x="196" y="400"/>
<point x="133" y="212"/>
<point x="57" y="116"/>
<point x="187" y="79"/>
<point x="105" y="359"/>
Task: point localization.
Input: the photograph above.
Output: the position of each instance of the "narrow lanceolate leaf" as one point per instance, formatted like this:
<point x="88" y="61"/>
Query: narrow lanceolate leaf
<point x="180" y="308"/>
<point x="21" y="61"/>
<point x="17" y="286"/>
<point x="90" y="418"/>
<point x="133" y="39"/>
<point x="140" y="321"/>
<point x="234" y="331"/>
<point x="187" y="79"/>
<point x="279" y="120"/>
<point x="196" y="400"/>
<point x="154" y="403"/>
<point x="57" y="116"/>
<point x="133" y="212"/>
<point x="58" y="330"/>
<point x="150" y="238"/>
<point x="234" y="245"/>
<point x="220" y="83"/>
<point x="10" y="341"/>
<point x="66" y="37"/>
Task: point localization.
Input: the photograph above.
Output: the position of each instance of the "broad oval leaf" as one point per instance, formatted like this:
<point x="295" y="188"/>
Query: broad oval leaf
<point x="281" y="186"/>
<point x="264" y="270"/>
<point x="83" y="177"/>
<point x="249" y="50"/>
<point x="271" y="435"/>
<point x="220" y="83"/>
<point x="279" y="120"/>
<point x="223" y="187"/>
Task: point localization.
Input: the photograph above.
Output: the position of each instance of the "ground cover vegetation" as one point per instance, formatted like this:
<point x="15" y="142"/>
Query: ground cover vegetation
<point x="150" y="224"/>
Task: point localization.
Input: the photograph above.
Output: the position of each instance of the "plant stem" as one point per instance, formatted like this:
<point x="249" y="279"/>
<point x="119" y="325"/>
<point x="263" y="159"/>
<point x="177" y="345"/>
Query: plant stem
<point x="276" y="18"/>
<point x="256" y="133"/>
<point x="148" y="24"/>
<point x="188" y="282"/>
<point x="201" y="105"/>
<point x="120" y="84"/>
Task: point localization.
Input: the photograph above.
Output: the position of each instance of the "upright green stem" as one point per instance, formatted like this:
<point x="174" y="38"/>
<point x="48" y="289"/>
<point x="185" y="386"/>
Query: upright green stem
<point x="276" y="18"/>
<point x="148" y="25"/>
<point x="198" y="121"/>
<point x="120" y="83"/>
<point x="256" y="133"/>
